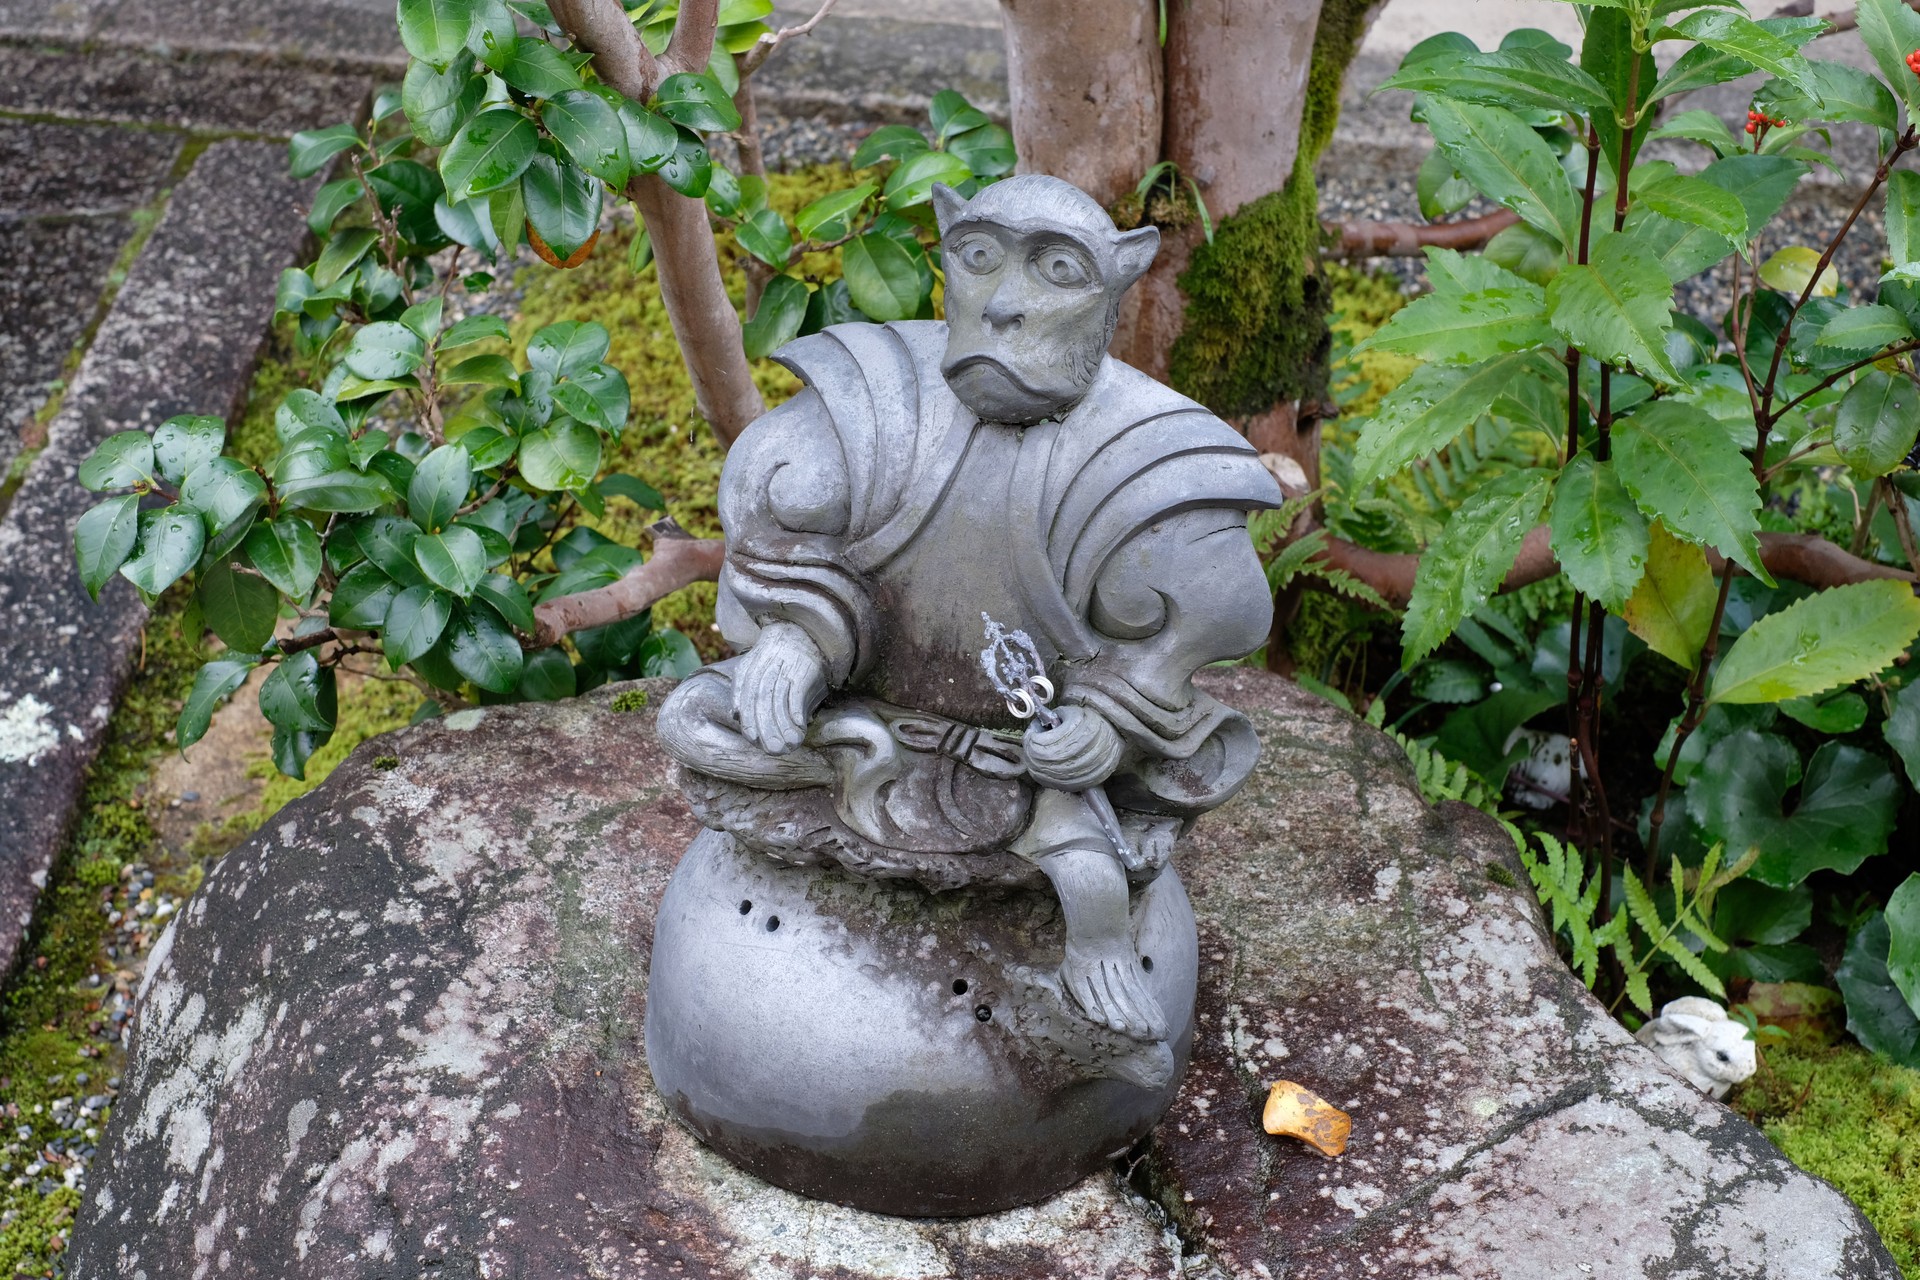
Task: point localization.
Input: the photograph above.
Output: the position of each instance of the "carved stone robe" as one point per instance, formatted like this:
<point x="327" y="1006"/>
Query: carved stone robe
<point x="876" y="512"/>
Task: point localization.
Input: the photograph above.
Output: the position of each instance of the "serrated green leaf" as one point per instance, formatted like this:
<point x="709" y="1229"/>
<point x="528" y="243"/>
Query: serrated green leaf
<point x="1831" y="638"/>
<point x="1903" y="928"/>
<point x="1891" y="31"/>
<point x="1518" y="79"/>
<point x="1741" y="37"/>
<point x="1616" y="308"/>
<point x="1864" y="329"/>
<point x="1672" y="607"/>
<point x="1429" y="408"/>
<point x="1716" y="63"/>
<point x="1599" y="535"/>
<point x="1683" y="469"/>
<point x="689" y="170"/>
<point x="103" y="539"/>
<point x="1470" y="558"/>
<point x="1463" y="328"/>
<point x="1698" y="202"/>
<point x="1507" y="162"/>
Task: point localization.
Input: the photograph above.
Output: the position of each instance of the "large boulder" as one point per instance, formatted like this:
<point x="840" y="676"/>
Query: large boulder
<point x="398" y="1033"/>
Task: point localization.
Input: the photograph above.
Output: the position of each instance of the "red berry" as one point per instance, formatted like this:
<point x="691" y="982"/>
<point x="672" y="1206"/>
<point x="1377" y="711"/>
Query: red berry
<point x="1750" y="126"/>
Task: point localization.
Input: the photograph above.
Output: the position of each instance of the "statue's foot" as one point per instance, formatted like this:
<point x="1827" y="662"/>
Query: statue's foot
<point x="1105" y="981"/>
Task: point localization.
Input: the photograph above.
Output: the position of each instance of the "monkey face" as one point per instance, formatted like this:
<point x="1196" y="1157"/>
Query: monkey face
<point x="1028" y="318"/>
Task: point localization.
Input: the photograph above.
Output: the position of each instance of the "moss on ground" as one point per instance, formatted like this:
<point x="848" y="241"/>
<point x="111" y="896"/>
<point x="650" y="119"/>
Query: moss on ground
<point x="50" y="1015"/>
<point x="1853" y="1119"/>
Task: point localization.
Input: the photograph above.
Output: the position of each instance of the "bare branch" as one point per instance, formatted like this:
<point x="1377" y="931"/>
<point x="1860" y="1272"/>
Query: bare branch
<point x="678" y="560"/>
<point x="1410" y="239"/>
<point x="602" y="28"/>
<point x="751" y="60"/>
<point x="1801" y="557"/>
<point x="691" y="47"/>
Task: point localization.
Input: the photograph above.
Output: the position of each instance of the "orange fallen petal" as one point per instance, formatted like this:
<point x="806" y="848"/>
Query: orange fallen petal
<point x="1296" y="1111"/>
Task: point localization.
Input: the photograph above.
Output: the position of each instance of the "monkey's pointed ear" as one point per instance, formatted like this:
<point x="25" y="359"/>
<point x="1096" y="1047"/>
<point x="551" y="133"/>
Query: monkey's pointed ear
<point x="1133" y="253"/>
<point x="947" y="204"/>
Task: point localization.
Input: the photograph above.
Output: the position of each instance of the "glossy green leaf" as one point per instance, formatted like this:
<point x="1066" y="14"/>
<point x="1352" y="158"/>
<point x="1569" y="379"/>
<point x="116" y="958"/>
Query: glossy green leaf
<point x="1449" y="327"/>
<point x="509" y="598"/>
<point x="1866" y="329"/>
<point x="1902" y="729"/>
<point x="473" y="329"/>
<point x="766" y="236"/>
<point x="831" y="216"/>
<point x="988" y="151"/>
<point x="668" y="653"/>
<point x="287" y="554"/>
<point x="1599" y="535"/>
<point x="223" y="491"/>
<point x="651" y="138"/>
<point x="483" y="649"/>
<point x="303" y="409"/>
<point x="240" y="607"/>
<point x="1878" y="1015"/>
<point x="454" y="560"/>
<point x="438" y="102"/>
<point x="342" y="253"/>
<point x="892" y="141"/>
<point x="563" y="456"/>
<point x="361" y="598"/>
<point x="1903" y="216"/>
<point x="486" y="371"/>
<point x="591" y="132"/>
<point x="563" y="204"/>
<point x="439" y="487"/>
<point x="882" y="277"/>
<point x="1617" y="308"/>
<point x="298" y="695"/>
<point x="490" y="151"/>
<point x="1429" y="408"/>
<point x="568" y="347"/>
<point x="342" y="491"/>
<point x="166" y="545"/>
<point x="1845" y="808"/>
<point x="309" y="151"/>
<point x="1440" y="191"/>
<point x="598" y="396"/>
<point x="698" y="101"/>
<point x="124" y="458"/>
<point x="538" y="70"/>
<point x="385" y="349"/>
<point x="435" y="31"/>
<point x="777" y="320"/>
<point x="104" y="538"/>
<point x="1834" y="713"/>
<point x="1878" y="419"/>
<point x="1718" y="62"/>
<point x="414" y="623"/>
<point x="387" y="543"/>
<point x="1683" y="469"/>
<point x="213" y="684"/>
<point x="1507" y="162"/>
<point x="689" y="170"/>
<point x="493" y="38"/>
<point x="1698" y="126"/>
<point x="1762" y="184"/>
<point x="1831" y="638"/>
<point x="634" y="490"/>
<point x="1741" y="37"/>
<point x="330" y="201"/>
<point x="1470" y="558"/>
<point x="911" y="182"/>
<point x="1843" y="94"/>
<point x="547" y="676"/>
<point x="1903" y="952"/>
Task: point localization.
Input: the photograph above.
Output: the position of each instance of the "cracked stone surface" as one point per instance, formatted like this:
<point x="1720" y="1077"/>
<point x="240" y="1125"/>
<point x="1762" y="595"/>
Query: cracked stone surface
<point x="398" y="1032"/>
<point x="181" y="337"/>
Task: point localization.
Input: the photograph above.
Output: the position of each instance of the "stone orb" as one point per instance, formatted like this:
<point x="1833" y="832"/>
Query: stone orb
<point x="895" y="1050"/>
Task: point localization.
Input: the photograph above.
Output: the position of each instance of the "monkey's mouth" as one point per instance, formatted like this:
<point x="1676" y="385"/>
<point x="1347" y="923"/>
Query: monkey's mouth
<point x="980" y="361"/>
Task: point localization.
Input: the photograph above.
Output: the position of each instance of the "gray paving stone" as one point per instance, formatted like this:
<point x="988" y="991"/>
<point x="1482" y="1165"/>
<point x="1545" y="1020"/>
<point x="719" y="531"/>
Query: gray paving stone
<point x="52" y="272"/>
<point x="182" y="336"/>
<point x="861" y="68"/>
<point x="200" y="93"/>
<point x="80" y="169"/>
<point x="55" y="20"/>
<point x="356" y="35"/>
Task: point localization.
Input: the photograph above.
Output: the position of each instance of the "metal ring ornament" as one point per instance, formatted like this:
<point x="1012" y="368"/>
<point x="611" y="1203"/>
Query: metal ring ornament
<point x="1021" y="704"/>
<point x="1043" y="689"/>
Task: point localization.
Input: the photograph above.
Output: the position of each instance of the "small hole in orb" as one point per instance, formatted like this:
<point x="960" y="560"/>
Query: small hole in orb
<point x="1146" y="962"/>
<point x="773" y="922"/>
<point x="959" y="986"/>
<point x="983" y="1013"/>
<point x="746" y="905"/>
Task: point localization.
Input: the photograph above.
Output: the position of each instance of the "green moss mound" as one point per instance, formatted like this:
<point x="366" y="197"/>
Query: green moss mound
<point x="1853" y="1119"/>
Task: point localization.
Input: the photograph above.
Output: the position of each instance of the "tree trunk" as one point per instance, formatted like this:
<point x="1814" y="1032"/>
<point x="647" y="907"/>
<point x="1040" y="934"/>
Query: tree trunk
<point x="1086" y="94"/>
<point x="1236" y="76"/>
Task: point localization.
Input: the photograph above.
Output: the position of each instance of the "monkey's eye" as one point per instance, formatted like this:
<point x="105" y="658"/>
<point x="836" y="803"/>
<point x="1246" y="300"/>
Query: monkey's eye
<point x="1722" y="1055"/>
<point x="978" y="254"/>
<point x="1057" y="266"/>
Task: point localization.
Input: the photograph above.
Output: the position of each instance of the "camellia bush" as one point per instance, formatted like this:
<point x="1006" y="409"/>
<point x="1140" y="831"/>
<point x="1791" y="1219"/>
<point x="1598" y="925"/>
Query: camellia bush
<point x="422" y="504"/>
<point x="1568" y="417"/>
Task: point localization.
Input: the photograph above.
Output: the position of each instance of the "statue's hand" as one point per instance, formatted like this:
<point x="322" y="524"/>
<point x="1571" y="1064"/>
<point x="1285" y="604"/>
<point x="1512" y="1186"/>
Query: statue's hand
<point x="1079" y="752"/>
<point x="777" y="687"/>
